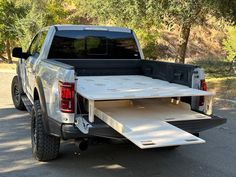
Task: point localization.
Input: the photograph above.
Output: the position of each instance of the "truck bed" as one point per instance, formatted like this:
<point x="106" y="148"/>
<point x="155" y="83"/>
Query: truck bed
<point x="140" y="98"/>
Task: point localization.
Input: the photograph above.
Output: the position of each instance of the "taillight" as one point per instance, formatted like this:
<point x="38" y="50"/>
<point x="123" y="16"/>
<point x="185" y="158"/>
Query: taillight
<point x="203" y="86"/>
<point x="67" y="97"/>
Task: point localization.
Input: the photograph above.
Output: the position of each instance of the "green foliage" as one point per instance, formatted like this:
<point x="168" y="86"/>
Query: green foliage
<point x="2" y="45"/>
<point x="144" y="17"/>
<point x="224" y="8"/>
<point x="9" y="11"/>
<point x="27" y="26"/>
<point x="148" y="41"/>
<point x="21" y="19"/>
<point x="230" y="44"/>
<point x="55" y="13"/>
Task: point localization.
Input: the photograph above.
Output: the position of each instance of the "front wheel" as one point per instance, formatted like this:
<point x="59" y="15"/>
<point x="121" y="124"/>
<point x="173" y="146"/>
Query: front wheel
<point x="45" y="147"/>
<point x="17" y="93"/>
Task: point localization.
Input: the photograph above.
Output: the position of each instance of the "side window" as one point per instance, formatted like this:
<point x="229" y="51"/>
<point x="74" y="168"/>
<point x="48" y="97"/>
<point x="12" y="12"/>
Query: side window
<point x="37" y="43"/>
<point x="33" y="46"/>
<point x="41" y="41"/>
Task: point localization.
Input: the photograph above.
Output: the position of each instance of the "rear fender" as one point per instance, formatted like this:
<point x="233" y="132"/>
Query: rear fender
<point x="39" y="95"/>
<point x="51" y="126"/>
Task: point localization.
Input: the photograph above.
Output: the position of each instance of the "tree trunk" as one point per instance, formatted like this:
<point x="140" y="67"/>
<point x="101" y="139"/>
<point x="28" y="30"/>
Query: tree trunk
<point x="8" y="50"/>
<point x="4" y="59"/>
<point x="183" y="42"/>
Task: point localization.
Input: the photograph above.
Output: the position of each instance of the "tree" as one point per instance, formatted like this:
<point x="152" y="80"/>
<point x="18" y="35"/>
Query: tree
<point x="144" y="17"/>
<point x="224" y="8"/>
<point x="26" y="27"/>
<point x="8" y="13"/>
<point x="21" y="19"/>
<point x="185" y="13"/>
<point x="147" y="17"/>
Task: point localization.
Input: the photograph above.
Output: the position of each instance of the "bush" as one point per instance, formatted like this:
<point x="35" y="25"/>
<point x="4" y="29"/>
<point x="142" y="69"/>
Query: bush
<point x="230" y="44"/>
<point x="215" y="68"/>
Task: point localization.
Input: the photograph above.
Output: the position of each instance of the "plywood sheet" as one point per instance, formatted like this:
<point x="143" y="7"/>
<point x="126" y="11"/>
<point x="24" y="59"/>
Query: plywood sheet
<point x="146" y="126"/>
<point x="131" y="87"/>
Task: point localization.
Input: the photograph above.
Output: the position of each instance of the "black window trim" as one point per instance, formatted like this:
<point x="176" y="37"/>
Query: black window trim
<point x="28" y="51"/>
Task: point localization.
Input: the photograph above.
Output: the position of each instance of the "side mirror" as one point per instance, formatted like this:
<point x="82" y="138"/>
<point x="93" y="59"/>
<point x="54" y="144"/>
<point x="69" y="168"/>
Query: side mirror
<point x="17" y="52"/>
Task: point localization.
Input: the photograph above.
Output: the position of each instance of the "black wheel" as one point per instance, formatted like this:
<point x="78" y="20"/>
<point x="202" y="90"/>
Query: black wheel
<point x="17" y="93"/>
<point x="44" y="147"/>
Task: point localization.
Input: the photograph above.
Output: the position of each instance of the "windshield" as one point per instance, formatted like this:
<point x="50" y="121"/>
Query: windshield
<point x="93" y="44"/>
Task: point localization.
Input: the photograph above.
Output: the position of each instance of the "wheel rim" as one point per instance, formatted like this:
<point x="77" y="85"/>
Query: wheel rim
<point x="16" y="94"/>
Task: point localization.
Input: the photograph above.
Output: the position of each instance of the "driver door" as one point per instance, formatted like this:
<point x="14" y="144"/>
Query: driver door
<point x="29" y="65"/>
<point x="31" y="62"/>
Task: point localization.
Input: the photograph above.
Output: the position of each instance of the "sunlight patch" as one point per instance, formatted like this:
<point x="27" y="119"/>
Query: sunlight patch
<point x="110" y="167"/>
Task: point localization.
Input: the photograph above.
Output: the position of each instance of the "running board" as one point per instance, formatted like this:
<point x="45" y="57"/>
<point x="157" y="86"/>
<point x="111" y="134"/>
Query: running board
<point x="27" y="103"/>
<point x="144" y="130"/>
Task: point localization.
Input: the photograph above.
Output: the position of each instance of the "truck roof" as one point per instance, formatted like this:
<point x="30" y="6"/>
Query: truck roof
<point x="92" y="27"/>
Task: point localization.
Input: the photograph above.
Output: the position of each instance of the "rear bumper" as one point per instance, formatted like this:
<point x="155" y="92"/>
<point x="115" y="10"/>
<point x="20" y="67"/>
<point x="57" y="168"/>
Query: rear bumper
<point x="196" y="126"/>
<point x="70" y="131"/>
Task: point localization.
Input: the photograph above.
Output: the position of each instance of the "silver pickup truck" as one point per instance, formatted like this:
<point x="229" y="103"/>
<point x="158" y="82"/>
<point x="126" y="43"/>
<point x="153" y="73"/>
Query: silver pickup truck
<point x="80" y="81"/>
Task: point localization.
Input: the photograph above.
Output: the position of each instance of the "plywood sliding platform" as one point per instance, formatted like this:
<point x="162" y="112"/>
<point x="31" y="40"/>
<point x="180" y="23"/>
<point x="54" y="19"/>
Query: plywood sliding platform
<point x="131" y="87"/>
<point x="144" y="122"/>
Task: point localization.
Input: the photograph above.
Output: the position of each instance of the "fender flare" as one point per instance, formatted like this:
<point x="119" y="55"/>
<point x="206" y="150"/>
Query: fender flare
<point x="39" y="88"/>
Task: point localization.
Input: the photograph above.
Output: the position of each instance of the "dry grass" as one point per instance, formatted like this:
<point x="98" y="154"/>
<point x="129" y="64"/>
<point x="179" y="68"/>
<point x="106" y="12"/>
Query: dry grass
<point x="204" y="42"/>
<point x="223" y="87"/>
<point x="6" y="66"/>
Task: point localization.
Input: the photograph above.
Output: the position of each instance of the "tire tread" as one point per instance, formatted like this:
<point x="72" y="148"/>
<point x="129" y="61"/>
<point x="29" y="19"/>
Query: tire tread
<point x="47" y="147"/>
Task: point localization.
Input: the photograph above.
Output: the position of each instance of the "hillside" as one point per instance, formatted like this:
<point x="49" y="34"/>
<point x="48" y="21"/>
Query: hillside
<point x="204" y="43"/>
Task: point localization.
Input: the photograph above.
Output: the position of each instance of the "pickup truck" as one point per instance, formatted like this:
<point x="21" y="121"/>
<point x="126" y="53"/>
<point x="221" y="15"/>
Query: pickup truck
<point x="84" y="81"/>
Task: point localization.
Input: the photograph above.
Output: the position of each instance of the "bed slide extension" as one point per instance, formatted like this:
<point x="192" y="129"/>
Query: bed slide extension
<point x="141" y="108"/>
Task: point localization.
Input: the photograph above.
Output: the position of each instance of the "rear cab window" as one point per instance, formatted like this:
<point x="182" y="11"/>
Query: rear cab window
<point x="90" y="44"/>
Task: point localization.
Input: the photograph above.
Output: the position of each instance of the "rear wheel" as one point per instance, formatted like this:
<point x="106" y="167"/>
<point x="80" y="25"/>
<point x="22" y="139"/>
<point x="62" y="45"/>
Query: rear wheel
<point x="16" y="92"/>
<point x="45" y="147"/>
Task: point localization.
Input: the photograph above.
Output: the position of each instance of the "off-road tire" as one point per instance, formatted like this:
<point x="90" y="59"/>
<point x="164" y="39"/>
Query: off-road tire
<point x="45" y="147"/>
<point x="16" y="93"/>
